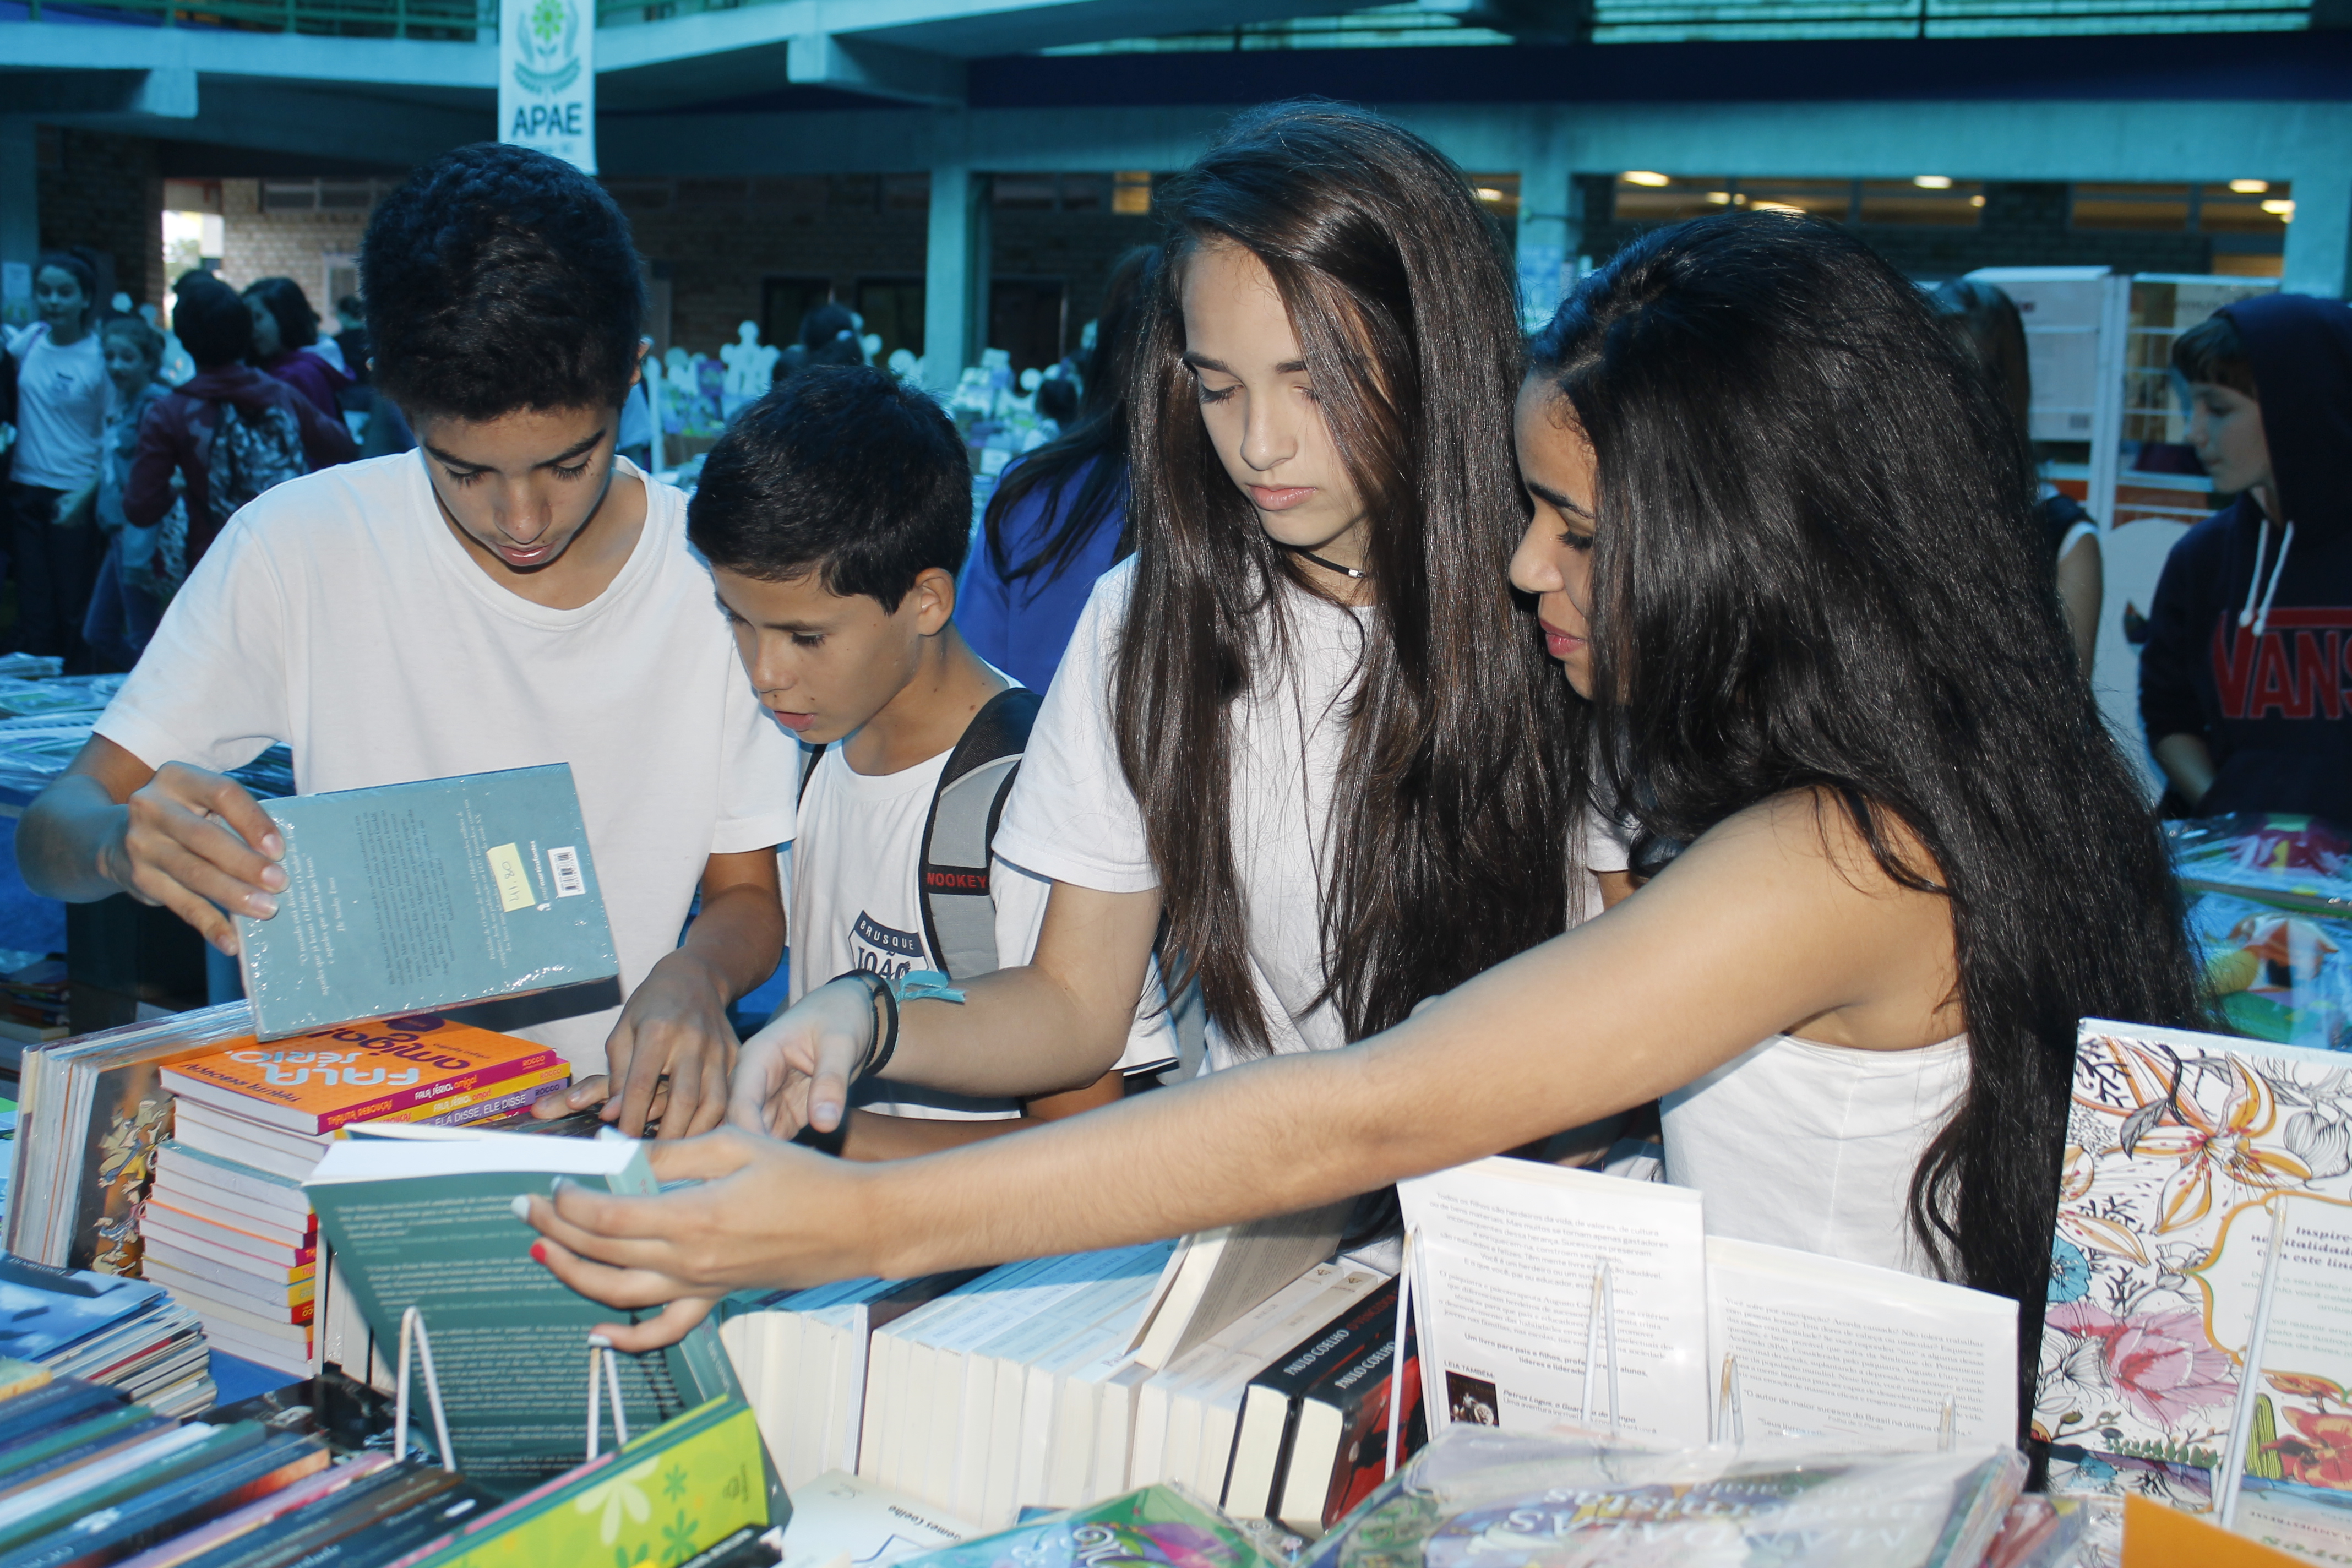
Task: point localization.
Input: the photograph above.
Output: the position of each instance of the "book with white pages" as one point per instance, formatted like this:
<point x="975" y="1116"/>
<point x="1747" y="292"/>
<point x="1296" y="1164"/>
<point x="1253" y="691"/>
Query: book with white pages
<point x="1215" y="1276"/>
<point x="1210" y="1411"/>
<point x="1090" y="1402"/>
<point x="1047" y="1467"/>
<point x="962" y="1380"/>
<point x="1158" y="1436"/>
<point x="1526" y="1274"/>
<point x="898" y="1432"/>
<point x="248" y="1142"/>
<point x="1812" y="1346"/>
<point x="988" y="1441"/>
<point x="232" y="1183"/>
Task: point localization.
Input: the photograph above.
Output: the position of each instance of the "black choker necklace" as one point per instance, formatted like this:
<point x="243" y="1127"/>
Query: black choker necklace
<point x="1360" y="576"/>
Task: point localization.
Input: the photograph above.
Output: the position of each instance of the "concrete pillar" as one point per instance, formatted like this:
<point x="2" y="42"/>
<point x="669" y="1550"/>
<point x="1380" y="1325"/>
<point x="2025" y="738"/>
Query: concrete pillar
<point x="955" y="274"/>
<point x="2319" y="241"/>
<point x="1546" y="230"/>
<point x="20" y="218"/>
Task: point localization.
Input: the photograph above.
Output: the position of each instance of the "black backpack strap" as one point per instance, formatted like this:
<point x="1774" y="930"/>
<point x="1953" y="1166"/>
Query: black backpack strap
<point x="809" y="757"/>
<point x="958" y="918"/>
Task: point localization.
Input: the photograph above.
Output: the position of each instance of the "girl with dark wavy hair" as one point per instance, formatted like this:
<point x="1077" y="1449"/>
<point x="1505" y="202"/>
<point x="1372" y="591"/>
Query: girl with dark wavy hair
<point x="1781" y="548"/>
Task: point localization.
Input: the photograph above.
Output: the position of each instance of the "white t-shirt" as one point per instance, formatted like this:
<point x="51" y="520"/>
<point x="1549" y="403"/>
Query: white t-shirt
<point x="338" y="613"/>
<point x="854" y="904"/>
<point x="1072" y="817"/>
<point x="61" y="401"/>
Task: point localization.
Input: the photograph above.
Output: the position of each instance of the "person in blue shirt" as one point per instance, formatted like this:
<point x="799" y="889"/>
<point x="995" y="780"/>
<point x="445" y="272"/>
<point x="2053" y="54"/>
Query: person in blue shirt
<point x="1059" y="520"/>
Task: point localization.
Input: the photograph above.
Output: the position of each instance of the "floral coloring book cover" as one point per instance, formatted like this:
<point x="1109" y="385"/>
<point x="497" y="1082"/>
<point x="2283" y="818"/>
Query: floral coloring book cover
<point x="2178" y="1146"/>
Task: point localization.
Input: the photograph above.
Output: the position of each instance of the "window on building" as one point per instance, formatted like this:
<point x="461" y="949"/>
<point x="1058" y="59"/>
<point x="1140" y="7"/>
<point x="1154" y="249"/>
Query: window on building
<point x="1499" y="194"/>
<point x="1646" y="195"/>
<point x="1935" y="200"/>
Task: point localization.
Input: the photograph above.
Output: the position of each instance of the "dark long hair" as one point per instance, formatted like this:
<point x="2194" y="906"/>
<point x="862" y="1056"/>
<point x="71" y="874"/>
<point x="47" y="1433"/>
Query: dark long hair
<point x="1446" y="826"/>
<point x="298" y="324"/>
<point x="1093" y="451"/>
<point x="1816" y="570"/>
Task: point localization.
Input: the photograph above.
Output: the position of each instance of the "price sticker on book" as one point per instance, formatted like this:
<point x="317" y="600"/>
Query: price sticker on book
<point x="514" y="882"/>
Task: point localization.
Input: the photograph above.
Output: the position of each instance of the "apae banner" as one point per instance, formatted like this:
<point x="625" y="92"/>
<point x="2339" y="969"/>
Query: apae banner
<point x="547" y="78"/>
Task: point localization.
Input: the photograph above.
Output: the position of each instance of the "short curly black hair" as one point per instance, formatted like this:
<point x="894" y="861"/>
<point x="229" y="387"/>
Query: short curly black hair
<point x="499" y="278"/>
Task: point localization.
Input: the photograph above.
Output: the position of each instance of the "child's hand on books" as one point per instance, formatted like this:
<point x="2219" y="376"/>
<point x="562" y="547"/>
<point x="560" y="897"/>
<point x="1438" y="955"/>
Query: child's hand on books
<point x="198" y="844"/>
<point x="670" y="1056"/>
<point x="682" y="1250"/>
<point x="795" y="1072"/>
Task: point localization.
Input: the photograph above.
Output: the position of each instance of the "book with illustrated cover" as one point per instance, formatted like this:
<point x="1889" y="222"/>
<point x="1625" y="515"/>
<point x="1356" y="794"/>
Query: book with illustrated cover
<point x="407" y="897"/>
<point x="91" y="1111"/>
<point x="691" y="1482"/>
<point x="397" y="1068"/>
<point x="2179" y="1146"/>
<point x="2275" y="973"/>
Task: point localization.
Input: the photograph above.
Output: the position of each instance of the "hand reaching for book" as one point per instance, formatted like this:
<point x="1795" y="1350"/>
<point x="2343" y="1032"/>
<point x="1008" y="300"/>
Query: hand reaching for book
<point x="682" y="1250"/>
<point x="669" y="1053"/>
<point x="795" y="1072"/>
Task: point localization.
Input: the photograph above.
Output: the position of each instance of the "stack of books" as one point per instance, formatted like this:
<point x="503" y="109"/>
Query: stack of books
<point x="228" y="1227"/>
<point x="120" y="1335"/>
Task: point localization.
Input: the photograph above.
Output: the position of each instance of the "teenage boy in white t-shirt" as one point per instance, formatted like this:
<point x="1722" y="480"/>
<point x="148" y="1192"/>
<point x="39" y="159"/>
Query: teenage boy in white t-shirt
<point x="835" y="515"/>
<point x="506" y="595"/>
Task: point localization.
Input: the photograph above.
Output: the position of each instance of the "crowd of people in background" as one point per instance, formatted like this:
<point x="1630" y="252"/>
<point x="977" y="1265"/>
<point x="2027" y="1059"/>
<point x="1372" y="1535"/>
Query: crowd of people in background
<point x="127" y="447"/>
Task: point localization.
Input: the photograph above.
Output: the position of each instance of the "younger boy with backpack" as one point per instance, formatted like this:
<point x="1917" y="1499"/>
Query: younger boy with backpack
<point x="230" y="432"/>
<point x="836" y="513"/>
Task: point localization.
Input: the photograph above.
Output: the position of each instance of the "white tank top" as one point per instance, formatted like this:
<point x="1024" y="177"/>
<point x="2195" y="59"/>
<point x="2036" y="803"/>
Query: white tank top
<point x="1811" y="1146"/>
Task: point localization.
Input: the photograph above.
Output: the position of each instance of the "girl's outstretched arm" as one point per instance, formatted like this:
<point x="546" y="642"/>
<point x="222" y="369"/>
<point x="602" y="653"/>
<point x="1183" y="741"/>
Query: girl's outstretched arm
<point x="1777" y="921"/>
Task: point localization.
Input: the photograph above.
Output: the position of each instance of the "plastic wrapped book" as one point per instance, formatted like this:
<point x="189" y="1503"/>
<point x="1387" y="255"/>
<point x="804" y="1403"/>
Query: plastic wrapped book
<point x="1158" y="1527"/>
<point x="1495" y="1499"/>
<point x="2301" y="862"/>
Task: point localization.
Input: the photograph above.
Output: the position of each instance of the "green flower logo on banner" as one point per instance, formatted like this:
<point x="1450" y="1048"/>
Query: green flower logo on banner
<point x="549" y="32"/>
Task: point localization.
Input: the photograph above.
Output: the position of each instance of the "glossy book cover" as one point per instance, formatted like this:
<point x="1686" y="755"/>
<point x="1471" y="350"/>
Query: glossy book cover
<point x="402" y="1067"/>
<point x="407" y="897"/>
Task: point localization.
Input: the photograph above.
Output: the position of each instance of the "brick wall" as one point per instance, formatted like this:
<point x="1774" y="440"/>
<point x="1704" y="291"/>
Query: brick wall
<point x="255" y="243"/>
<point x="105" y="191"/>
<point x="2023" y="225"/>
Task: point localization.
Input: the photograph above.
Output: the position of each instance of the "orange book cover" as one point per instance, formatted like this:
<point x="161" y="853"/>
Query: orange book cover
<point x="357" y="1072"/>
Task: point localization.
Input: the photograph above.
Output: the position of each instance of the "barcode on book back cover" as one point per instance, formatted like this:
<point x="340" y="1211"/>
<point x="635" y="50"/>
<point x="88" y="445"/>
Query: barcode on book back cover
<point x="564" y="861"/>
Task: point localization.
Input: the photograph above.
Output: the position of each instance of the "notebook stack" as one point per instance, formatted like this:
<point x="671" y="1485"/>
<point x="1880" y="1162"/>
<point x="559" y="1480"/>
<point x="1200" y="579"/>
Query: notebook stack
<point x="226" y="1225"/>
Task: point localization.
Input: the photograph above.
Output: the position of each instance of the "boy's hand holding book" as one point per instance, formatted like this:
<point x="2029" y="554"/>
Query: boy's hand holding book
<point x="196" y="843"/>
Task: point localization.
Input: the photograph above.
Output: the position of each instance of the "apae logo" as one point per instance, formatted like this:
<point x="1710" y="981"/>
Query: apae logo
<point x="547" y="63"/>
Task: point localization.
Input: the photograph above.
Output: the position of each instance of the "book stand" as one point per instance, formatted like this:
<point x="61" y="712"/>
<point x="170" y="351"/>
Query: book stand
<point x="600" y="1355"/>
<point x="1730" y="1427"/>
<point x="1599" y="1353"/>
<point x="1600" y="1344"/>
<point x="411" y="1325"/>
<point x="603" y="1377"/>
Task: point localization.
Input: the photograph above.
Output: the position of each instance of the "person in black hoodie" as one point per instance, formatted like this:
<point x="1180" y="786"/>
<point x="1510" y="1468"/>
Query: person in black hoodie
<point x="2245" y="682"/>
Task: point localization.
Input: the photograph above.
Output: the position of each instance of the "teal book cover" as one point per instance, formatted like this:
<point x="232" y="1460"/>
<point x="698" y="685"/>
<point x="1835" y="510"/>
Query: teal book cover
<point x="407" y="898"/>
<point x="431" y="1224"/>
